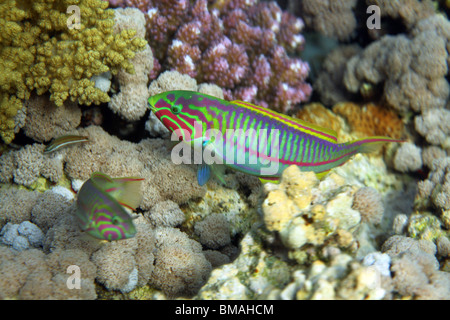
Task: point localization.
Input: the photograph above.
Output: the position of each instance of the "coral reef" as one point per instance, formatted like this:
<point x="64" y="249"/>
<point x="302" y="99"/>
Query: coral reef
<point x="43" y="50"/>
<point x="412" y="69"/>
<point x="305" y="211"/>
<point x="370" y="119"/>
<point x="44" y="120"/>
<point x="214" y="231"/>
<point x="408" y="11"/>
<point x="122" y="265"/>
<point x="434" y="126"/>
<point x="364" y="231"/>
<point x="368" y="202"/>
<point x="408" y="158"/>
<point x="435" y="190"/>
<point x="180" y="266"/>
<point x="415" y="269"/>
<point x="242" y="47"/>
<point x="32" y="275"/>
<point x="16" y="205"/>
<point x="22" y="236"/>
<point x="165" y="214"/>
<point x="330" y="18"/>
<point x="329" y="83"/>
<point x="131" y="101"/>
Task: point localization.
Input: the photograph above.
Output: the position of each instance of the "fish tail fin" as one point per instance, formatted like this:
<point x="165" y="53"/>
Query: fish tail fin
<point x="130" y="194"/>
<point x="370" y="144"/>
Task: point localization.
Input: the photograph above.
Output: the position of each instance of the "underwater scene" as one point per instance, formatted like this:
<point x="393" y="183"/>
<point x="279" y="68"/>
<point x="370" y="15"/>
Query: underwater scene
<point x="224" y="150"/>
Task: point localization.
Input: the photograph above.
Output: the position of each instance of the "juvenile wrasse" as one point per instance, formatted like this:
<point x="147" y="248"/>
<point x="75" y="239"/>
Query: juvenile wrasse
<point x="290" y="141"/>
<point x="100" y="206"/>
<point x="64" y="141"/>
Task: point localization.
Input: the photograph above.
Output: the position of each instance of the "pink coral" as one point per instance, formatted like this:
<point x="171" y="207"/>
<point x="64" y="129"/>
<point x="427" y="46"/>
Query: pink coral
<point x="242" y="46"/>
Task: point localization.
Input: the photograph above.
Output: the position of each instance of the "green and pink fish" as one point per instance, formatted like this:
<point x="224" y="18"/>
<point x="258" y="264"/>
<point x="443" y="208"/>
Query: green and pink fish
<point x="253" y="139"/>
<point x="100" y="206"/>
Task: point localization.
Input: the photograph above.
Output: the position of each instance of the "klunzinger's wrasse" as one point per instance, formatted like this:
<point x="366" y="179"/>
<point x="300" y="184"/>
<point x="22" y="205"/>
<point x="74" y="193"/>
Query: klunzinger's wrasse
<point x="253" y="139"/>
<point x="64" y="141"/>
<point x="100" y="206"/>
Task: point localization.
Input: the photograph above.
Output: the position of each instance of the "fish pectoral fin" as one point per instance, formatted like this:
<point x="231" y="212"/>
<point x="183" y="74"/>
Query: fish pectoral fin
<point x="203" y="174"/>
<point x="219" y="172"/>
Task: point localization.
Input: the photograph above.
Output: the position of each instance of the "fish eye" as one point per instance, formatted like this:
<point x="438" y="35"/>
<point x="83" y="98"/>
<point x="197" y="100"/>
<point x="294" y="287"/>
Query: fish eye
<point x="115" y="220"/>
<point x="176" y="109"/>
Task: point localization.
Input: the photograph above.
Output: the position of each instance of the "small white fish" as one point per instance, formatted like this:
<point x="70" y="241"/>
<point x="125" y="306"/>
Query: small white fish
<point x="64" y="141"/>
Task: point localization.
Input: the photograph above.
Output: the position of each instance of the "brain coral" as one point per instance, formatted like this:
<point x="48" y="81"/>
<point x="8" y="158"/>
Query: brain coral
<point x="40" y="51"/>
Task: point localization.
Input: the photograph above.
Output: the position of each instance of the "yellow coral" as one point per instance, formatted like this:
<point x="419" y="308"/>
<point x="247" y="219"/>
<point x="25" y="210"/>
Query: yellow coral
<point x="8" y="109"/>
<point x="39" y="51"/>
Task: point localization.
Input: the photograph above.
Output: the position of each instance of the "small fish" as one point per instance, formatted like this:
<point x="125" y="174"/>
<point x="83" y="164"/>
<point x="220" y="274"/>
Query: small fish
<point x="290" y="141"/>
<point x="100" y="206"/>
<point x="63" y="141"/>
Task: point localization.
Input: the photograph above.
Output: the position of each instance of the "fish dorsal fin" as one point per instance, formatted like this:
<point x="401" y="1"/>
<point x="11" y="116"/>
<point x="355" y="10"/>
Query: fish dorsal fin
<point x="323" y="133"/>
<point x="129" y="192"/>
<point x="126" y="190"/>
<point x="329" y="132"/>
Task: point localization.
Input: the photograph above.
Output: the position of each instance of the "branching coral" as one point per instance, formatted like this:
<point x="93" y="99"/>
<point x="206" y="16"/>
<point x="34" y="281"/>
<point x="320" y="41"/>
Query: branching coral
<point x="241" y="46"/>
<point x="42" y="50"/>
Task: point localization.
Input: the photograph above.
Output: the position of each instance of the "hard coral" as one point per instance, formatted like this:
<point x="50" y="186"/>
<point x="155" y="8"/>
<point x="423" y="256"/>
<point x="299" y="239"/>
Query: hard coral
<point x="333" y="18"/>
<point x="42" y="49"/>
<point x="368" y="202"/>
<point x="408" y="158"/>
<point x="412" y="69"/>
<point x="131" y="101"/>
<point x="307" y="212"/>
<point x="415" y="269"/>
<point x="371" y="119"/>
<point x="241" y="46"/>
<point x="437" y="186"/>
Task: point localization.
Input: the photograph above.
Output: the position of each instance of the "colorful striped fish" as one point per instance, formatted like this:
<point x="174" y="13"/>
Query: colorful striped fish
<point x="251" y="139"/>
<point x="100" y="206"/>
<point x="64" y="141"/>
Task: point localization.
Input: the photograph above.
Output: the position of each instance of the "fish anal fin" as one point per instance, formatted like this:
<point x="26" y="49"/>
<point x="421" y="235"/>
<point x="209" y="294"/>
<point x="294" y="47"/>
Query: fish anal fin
<point x="321" y="175"/>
